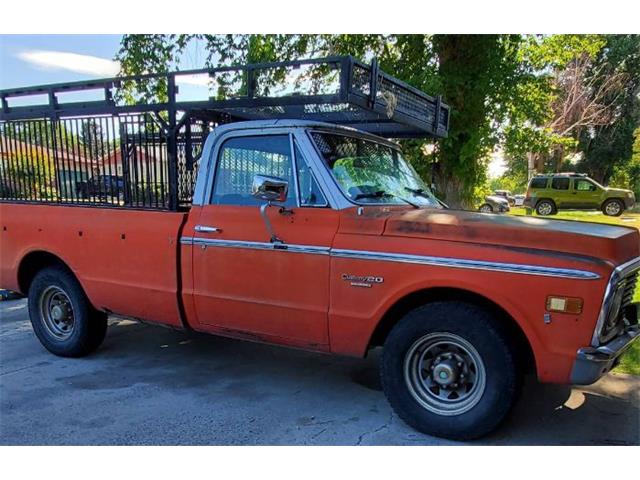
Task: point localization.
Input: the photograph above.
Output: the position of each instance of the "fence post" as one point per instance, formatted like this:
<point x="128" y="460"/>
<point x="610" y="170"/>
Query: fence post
<point x="172" y="150"/>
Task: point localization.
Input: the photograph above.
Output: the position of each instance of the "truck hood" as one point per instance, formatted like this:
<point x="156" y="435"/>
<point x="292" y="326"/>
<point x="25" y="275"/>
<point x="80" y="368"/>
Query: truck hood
<point x="608" y="242"/>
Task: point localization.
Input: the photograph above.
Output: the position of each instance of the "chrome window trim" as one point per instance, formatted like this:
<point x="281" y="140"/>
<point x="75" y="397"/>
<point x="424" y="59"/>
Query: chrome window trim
<point x="305" y="161"/>
<point x="225" y="137"/>
<point x="204" y="183"/>
<point x="620" y="272"/>
<point x="401" y="258"/>
<point x="294" y="168"/>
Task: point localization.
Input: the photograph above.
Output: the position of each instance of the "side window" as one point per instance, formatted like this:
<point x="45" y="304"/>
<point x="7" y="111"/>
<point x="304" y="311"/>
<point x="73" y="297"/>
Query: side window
<point x="539" y="183"/>
<point x="241" y="158"/>
<point x="584" y="186"/>
<point x="310" y="193"/>
<point x="560" y="183"/>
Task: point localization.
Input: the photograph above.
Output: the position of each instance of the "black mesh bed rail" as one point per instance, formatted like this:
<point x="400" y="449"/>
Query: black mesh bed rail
<point x="136" y="141"/>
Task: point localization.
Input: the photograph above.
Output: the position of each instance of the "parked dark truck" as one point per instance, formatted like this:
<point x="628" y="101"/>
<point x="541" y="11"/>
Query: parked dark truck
<point x="281" y="214"/>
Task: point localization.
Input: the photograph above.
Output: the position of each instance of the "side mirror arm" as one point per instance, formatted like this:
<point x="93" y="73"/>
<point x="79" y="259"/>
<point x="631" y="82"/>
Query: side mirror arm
<point x="267" y="222"/>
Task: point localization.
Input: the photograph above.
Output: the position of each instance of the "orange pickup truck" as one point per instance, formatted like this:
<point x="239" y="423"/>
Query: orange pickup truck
<point x="323" y="237"/>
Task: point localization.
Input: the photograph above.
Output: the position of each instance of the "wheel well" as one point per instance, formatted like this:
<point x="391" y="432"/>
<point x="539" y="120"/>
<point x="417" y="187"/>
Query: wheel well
<point x="32" y="263"/>
<point x="617" y="199"/>
<point x="406" y="304"/>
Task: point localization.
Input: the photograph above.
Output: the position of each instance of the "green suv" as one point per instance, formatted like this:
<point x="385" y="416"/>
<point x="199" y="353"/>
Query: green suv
<point x="549" y="193"/>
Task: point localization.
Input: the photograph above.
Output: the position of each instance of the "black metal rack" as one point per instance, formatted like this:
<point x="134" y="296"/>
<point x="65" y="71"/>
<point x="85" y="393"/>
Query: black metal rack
<point x="149" y="144"/>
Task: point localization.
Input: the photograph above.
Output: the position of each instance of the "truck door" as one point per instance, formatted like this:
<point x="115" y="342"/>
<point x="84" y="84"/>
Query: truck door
<point x="245" y="282"/>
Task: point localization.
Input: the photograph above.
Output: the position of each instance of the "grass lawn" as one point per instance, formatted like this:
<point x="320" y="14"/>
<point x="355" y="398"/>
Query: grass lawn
<point x="630" y="362"/>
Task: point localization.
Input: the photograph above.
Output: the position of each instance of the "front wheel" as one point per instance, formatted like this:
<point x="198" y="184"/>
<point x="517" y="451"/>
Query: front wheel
<point x="486" y="208"/>
<point x="613" y="208"/>
<point x="62" y="317"/>
<point x="545" y="207"/>
<point x="447" y="370"/>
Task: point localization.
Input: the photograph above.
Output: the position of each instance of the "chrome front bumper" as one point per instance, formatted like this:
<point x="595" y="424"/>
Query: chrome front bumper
<point x="593" y="362"/>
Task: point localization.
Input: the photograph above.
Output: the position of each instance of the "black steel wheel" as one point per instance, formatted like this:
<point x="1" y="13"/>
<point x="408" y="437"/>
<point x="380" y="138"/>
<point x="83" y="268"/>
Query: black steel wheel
<point x="61" y="315"/>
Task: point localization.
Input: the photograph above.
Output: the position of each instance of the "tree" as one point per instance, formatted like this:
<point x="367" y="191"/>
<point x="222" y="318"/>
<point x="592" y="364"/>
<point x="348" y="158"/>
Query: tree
<point x="477" y="73"/>
<point x="92" y="139"/>
<point x="608" y="147"/>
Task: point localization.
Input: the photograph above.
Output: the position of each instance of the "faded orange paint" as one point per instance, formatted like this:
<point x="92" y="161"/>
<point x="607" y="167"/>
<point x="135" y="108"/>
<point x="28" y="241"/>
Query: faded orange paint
<point x="132" y="263"/>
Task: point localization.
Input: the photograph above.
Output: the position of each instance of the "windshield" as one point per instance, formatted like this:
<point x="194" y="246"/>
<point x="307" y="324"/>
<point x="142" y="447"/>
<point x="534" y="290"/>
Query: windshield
<point x="369" y="172"/>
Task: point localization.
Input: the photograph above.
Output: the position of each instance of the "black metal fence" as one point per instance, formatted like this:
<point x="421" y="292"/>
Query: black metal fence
<point x="117" y="161"/>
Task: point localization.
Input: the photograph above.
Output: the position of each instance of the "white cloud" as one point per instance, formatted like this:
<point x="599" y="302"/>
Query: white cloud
<point x="73" y="62"/>
<point x="191" y="79"/>
<point x="89" y="65"/>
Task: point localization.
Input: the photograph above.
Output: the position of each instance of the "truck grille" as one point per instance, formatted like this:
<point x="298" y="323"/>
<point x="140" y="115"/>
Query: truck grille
<point x="623" y="298"/>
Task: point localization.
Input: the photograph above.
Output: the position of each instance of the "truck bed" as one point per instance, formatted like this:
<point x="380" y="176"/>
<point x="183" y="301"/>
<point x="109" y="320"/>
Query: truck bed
<point x="126" y="260"/>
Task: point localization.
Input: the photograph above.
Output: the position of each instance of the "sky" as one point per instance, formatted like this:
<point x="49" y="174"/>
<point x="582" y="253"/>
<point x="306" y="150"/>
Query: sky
<point x="27" y="60"/>
<point x="38" y="59"/>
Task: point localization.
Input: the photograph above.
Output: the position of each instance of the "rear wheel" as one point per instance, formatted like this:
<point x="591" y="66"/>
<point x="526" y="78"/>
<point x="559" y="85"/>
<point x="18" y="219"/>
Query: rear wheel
<point x="545" y="207"/>
<point x="61" y="316"/>
<point x="486" y="208"/>
<point x="447" y="370"/>
<point x="613" y="207"/>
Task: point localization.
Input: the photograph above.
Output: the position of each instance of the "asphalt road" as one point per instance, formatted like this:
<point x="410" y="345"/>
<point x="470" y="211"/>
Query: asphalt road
<point x="150" y="385"/>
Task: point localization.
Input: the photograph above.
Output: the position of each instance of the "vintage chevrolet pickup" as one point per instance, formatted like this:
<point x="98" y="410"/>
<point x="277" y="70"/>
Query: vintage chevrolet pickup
<point x="306" y="234"/>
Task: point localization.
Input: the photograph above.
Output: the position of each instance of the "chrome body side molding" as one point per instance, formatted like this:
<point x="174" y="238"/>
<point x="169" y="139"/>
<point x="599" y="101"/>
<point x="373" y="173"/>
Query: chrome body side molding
<point x="469" y="264"/>
<point x="284" y="247"/>
<point x="401" y="258"/>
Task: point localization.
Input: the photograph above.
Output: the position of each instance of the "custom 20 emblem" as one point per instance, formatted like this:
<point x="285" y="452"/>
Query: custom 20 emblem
<point x="366" y="281"/>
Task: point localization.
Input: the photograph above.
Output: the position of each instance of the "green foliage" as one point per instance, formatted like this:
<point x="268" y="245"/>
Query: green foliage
<point x="514" y="185"/>
<point x="30" y="173"/>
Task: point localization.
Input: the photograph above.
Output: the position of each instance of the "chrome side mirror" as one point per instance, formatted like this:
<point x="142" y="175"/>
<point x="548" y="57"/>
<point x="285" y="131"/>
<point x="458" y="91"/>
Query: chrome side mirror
<point x="271" y="189"/>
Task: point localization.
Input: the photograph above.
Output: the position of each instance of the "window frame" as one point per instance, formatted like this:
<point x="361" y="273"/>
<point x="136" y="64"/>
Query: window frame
<point x="360" y="136"/>
<point x="296" y="145"/>
<point x="218" y="152"/>
<point x="576" y="180"/>
<point x="544" y="187"/>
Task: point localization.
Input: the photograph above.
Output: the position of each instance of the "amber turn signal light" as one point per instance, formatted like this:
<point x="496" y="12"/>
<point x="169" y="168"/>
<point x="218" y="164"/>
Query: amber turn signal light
<point x="564" y="304"/>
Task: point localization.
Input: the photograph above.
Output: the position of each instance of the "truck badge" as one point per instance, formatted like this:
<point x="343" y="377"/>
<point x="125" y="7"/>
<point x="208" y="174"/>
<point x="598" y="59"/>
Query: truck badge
<point x="366" y="281"/>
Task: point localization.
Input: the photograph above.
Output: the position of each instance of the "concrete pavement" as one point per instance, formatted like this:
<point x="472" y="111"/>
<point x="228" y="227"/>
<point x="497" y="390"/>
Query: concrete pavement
<point x="154" y="386"/>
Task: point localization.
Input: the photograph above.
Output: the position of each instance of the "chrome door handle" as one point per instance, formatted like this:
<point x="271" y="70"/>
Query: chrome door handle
<point x="207" y="229"/>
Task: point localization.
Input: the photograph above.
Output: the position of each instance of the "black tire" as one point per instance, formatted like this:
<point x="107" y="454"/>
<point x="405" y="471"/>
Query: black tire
<point x="485" y="208"/>
<point x="476" y="327"/>
<point x="88" y="326"/>
<point x="546" y="207"/>
<point x="612" y="207"/>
